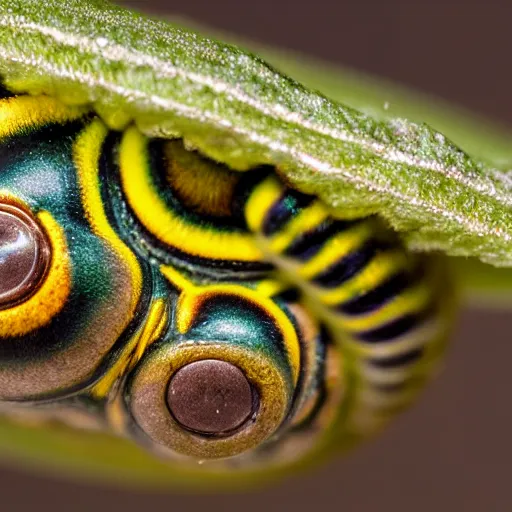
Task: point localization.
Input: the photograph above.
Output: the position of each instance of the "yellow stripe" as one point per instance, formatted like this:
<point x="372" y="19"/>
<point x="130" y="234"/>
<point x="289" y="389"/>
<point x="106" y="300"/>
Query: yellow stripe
<point x="188" y="304"/>
<point x="51" y="297"/>
<point x="192" y="295"/>
<point x="176" y="278"/>
<point x="86" y="153"/>
<point x="102" y="388"/>
<point x="25" y="113"/>
<point x="271" y="287"/>
<point x="337" y="247"/>
<point x="413" y="300"/>
<point x="374" y="274"/>
<point x="155" y="324"/>
<point x="307" y="219"/>
<point x="262" y="198"/>
<point x="162" y="222"/>
<point x="148" y="333"/>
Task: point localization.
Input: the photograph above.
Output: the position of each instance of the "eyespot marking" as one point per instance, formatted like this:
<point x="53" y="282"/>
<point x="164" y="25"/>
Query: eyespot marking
<point x="210" y="397"/>
<point x="49" y="299"/>
<point x="24" y="255"/>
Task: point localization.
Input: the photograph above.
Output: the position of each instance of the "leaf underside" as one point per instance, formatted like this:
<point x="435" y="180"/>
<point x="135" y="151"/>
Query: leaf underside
<point x="235" y="108"/>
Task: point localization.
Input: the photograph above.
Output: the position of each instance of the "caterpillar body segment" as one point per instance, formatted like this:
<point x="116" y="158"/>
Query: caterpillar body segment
<point x="201" y="312"/>
<point x="280" y="349"/>
<point x="386" y="304"/>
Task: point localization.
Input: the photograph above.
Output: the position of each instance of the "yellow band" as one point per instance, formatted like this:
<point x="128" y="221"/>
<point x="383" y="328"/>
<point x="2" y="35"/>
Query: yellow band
<point x="28" y="112"/>
<point x="49" y="300"/>
<point x="87" y="152"/>
<point x="163" y="223"/>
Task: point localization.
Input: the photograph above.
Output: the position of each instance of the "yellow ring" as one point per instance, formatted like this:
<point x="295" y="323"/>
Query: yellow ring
<point x="54" y="291"/>
<point x="160" y="220"/>
<point x="149" y="407"/>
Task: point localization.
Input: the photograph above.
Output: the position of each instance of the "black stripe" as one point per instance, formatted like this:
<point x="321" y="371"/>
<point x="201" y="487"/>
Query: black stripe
<point x="245" y="187"/>
<point x="377" y="297"/>
<point x="393" y="329"/>
<point x="289" y="205"/>
<point x="350" y="264"/>
<point x="309" y="243"/>
<point x="290" y="295"/>
<point x="402" y="359"/>
<point x="4" y="92"/>
<point x="145" y="243"/>
<point x="318" y="383"/>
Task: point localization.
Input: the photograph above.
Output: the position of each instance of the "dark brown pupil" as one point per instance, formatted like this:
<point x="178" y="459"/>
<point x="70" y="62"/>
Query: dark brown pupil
<point x="24" y="255"/>
<point x="210" y="397"/>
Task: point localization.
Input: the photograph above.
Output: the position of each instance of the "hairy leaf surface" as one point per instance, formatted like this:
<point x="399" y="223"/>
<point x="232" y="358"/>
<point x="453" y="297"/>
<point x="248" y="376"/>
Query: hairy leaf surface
<point x="235" y="108"/>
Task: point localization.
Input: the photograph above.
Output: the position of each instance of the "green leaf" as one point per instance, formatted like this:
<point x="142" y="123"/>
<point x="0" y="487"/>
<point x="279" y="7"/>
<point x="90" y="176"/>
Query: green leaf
<point x="101" y="458"/>
<point x="234" y="108"/>
<point x="382" y="99"/>
<point x="481" y="285"/>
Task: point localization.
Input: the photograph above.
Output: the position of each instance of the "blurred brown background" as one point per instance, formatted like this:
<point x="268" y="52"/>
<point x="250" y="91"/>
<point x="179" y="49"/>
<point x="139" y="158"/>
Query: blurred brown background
<point x="452" y="452"/>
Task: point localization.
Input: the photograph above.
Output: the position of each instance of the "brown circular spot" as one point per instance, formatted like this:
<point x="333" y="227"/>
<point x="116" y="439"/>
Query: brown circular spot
<point x="210" y="397"/>
<point x="24" y="255"/>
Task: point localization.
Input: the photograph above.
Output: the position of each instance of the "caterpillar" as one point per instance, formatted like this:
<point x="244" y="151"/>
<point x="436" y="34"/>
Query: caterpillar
<point x="204" y="313"/>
